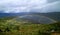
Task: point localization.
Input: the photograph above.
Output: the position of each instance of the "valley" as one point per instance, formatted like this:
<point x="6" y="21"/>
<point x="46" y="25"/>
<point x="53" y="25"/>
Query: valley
<point x="23" y="26"/>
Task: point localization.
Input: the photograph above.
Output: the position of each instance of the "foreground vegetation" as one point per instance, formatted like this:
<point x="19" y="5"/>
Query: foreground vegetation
<point x="9" y="26"/>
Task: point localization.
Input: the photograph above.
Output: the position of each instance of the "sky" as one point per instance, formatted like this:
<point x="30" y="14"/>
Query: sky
<point x="17" y="6"/>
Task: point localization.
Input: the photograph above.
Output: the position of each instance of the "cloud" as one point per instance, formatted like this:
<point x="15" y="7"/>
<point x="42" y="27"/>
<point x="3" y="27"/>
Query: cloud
<point x="49" y="1"/>
<point x="50" y="7"/>
<point x="15" y="6"/>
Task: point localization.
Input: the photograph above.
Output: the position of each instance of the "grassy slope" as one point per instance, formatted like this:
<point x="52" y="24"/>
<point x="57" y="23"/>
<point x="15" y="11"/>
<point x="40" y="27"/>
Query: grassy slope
<point x="18" y="28"/>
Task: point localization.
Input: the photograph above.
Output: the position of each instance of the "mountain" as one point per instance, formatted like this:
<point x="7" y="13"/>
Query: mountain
<point x="35" y="19"/>
<point x="47" y="16"/>
<point x="52" y="15"/>
<point x="12" y="14"/>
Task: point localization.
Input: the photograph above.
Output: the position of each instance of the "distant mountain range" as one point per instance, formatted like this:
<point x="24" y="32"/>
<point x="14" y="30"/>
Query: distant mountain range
<point x="35" y="19"/>
<point x="52" y="15"/>
<point x="12" y="14"/>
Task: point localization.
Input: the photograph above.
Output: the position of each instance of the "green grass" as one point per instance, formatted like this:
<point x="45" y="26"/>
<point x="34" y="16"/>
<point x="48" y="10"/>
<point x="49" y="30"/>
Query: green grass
<point x="29" y="29"/>
<point x="13" y="27"/>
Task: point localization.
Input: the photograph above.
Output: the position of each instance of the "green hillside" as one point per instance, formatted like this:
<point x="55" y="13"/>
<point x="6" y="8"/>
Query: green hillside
<point x="9" y="26"/>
